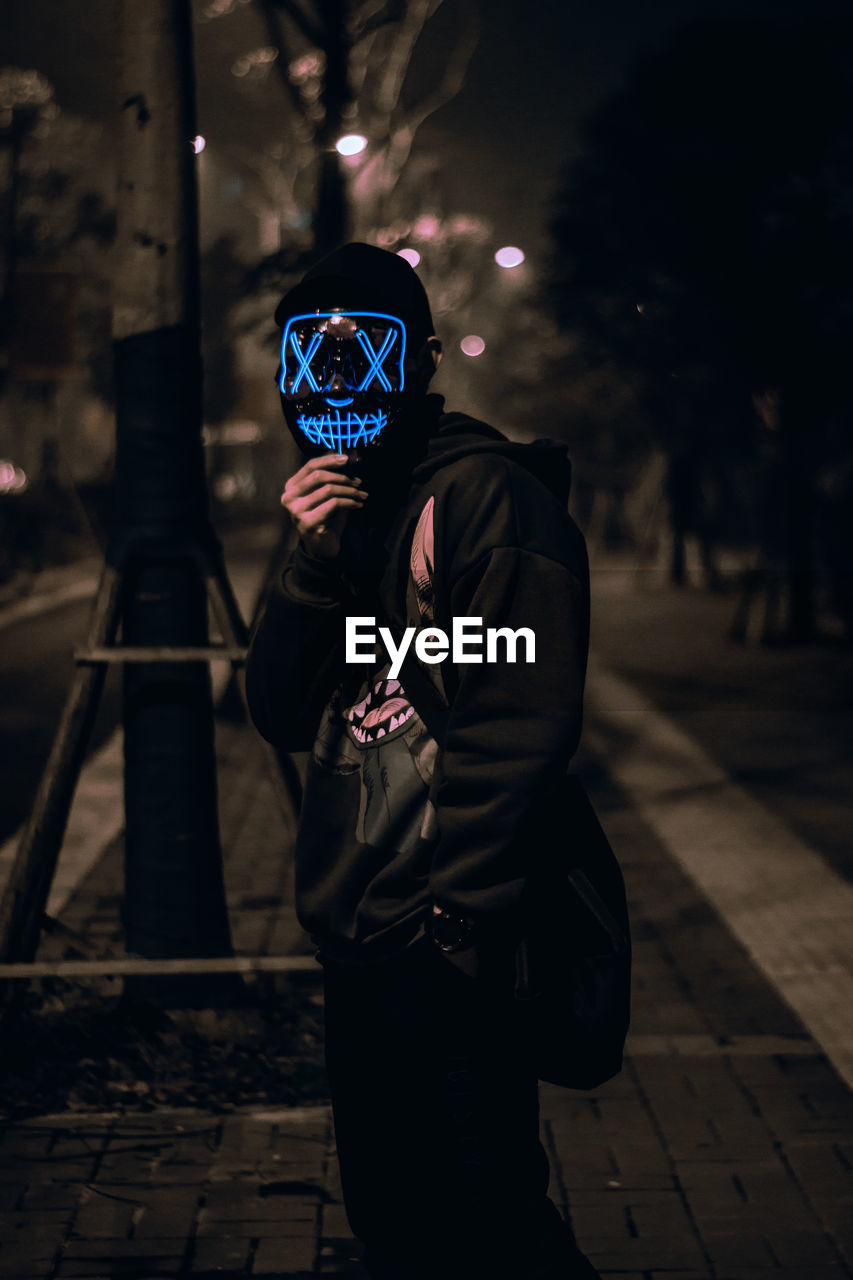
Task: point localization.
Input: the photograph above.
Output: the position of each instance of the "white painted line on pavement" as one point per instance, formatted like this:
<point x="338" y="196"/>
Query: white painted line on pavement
<point x="33" y="606"/>
<point x="96" y="818"/>
<point x="791" y="911"/>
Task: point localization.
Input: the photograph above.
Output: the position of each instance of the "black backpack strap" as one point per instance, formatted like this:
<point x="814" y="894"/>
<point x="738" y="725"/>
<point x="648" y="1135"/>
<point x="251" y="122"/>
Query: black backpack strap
<point x="420" y="690"/>
<point x="424" y="697"/>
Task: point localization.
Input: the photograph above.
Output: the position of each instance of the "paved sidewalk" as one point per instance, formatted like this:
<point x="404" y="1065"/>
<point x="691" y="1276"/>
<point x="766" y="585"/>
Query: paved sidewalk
<point x="724" y="1151"/>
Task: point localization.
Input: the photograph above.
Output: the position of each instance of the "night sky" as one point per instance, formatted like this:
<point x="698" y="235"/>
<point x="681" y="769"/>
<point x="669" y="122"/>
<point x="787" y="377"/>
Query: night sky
<point x="538" y="70"/>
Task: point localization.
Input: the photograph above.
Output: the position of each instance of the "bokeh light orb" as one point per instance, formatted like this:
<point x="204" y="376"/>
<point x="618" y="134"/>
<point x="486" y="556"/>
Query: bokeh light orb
<point x="351" y="144"/>
<point x="411" y="255"/>
<point x="509" y="256"/>
<point x="473" y="345"/>
<point x="199" y="144"/>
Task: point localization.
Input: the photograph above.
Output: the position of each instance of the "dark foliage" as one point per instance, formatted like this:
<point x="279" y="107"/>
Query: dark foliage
<point x="708" y="229"/>
<point x="704" y="249"/>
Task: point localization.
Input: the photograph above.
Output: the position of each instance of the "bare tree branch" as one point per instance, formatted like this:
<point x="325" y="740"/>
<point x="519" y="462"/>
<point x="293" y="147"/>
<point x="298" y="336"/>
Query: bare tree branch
<point x="454" y="72"/>
<point x="296" y="13"/>
<point x="375" y="14"/>
<point x="380" y="45"/>
<point x="396" y="123"/>
<point x="275" y="36"/>
<point x="396" y="61"/>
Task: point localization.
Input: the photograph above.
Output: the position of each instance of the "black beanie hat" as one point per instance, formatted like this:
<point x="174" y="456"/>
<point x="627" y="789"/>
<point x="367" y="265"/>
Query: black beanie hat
<point x="363" y="276"/>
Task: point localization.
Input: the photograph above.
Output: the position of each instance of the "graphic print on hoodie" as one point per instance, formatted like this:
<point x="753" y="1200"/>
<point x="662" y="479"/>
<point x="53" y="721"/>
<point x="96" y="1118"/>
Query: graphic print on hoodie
<point x="381" y="737"/>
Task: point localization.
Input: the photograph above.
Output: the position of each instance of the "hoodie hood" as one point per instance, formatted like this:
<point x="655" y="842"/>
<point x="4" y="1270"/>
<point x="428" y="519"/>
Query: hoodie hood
<point x="458" y="436"/>
<point x="363" y="276"/>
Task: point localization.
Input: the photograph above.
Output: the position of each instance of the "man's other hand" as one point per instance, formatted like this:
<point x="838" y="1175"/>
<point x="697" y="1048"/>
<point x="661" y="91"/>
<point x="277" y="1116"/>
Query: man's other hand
<point x="318" y="499"/>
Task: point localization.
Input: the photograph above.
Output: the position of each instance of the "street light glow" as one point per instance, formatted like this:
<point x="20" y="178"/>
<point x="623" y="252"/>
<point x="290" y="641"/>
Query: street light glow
<point x="411" y="255"/>
<point x="473" y="345"/>
<point x="199" y="144"/>
<point x="351" y="144"/>
<point x="509" y="256"/>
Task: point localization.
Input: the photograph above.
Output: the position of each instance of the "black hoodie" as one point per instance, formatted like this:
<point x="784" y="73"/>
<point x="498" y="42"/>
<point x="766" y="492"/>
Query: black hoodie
<point x="391" y="824"/>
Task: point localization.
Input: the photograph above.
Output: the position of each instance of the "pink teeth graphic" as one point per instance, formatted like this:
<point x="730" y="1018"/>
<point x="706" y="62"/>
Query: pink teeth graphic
<point x="380" y="712"/>
<point x="391" y="707"/>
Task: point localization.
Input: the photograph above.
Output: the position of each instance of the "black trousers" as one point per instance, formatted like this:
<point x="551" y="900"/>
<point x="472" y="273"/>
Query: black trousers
<point x="436" y="1116"/>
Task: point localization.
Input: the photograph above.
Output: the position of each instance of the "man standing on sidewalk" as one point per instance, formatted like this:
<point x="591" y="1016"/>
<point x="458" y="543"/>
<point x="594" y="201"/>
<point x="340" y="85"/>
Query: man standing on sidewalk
<point x="426" y="807"/>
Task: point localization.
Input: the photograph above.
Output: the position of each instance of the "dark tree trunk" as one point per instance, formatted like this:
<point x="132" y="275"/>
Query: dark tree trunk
<point x="175" y="900"/>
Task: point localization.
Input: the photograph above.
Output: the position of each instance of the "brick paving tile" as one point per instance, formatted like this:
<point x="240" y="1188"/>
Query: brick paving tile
<point x="26" y="1220"/>
<point x="38" y="1196"/>
<point x="21" y="1149"/>
<point x="664" y="1275"/>
<point x="775" y="1273"/>
<point x="340" y="1256"/>
<point x="11" y="1194"/>
<point x="26" y="1265"/>
<point x="141" y="1251"/>
<point x="251" y="1225"/>
<point x="842" y="1235"/>
<point x="275" y="1257"/>
<point x="634" y="1256"/>
<point x="800" y="1248"/>
<point x="334" y="1224"/>
<point x="65" y="1171"/>
<point x="113" y="1269"/>
<point x="105" y="1217"/>
<point x="165" y="1223"/>
<point x="32" y="1245"/>
<point x="826" y="1166"/>
<point x="225" y="1253"/>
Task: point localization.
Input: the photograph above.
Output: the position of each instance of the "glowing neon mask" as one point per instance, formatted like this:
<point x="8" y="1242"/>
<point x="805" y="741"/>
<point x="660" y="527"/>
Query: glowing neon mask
<point x="342" y="375"/>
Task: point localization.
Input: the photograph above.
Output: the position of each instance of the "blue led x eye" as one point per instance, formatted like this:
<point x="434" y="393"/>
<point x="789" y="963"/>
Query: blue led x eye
<point x="376" y="358"/>
<point x="304" y="361"/>
<point x="310" y="364"/>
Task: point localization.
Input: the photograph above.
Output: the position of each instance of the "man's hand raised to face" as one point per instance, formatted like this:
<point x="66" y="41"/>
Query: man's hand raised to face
<point x="318" y="499"/>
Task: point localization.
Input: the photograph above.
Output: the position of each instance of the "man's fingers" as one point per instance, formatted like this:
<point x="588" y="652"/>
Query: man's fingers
<point x="324" y="460"/>
<point x="312" y="520"/>
<point x="336" y="461"/>
<point x="308" y="501"/>
<point x="301" y="483"/>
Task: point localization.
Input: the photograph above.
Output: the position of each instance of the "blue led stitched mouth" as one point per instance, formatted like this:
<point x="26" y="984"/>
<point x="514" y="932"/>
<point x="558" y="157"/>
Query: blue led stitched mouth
<point x="342" y="430"/>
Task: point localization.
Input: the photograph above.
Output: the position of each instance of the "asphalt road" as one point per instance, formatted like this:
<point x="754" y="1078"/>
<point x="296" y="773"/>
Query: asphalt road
<point x="36" y="670"/>
<point x="37" y="667"/>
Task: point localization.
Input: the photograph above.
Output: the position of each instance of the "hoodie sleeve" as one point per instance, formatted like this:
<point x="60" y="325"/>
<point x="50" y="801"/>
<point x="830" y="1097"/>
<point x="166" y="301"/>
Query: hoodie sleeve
<point x="514" y="559"/>
<point x="296" y="657"/>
